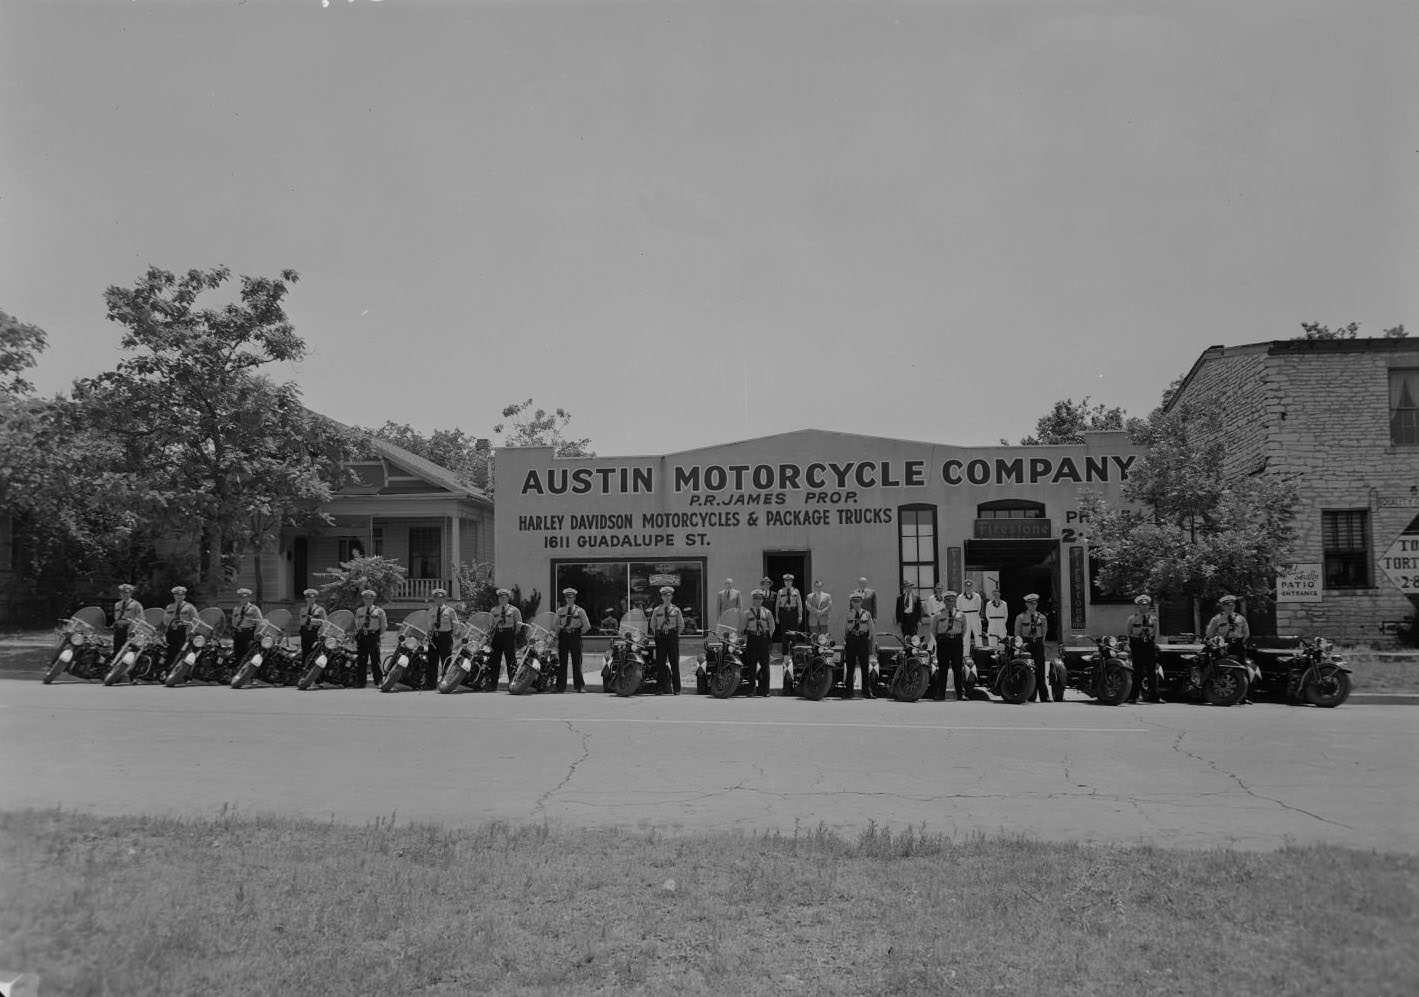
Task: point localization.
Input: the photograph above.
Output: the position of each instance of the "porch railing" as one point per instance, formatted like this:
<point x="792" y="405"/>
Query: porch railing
<point x="420" y="589"/>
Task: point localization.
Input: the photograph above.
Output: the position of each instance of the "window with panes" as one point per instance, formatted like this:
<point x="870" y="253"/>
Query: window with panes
<point x="1345" y="539"/>
<point x="916" y="533"/>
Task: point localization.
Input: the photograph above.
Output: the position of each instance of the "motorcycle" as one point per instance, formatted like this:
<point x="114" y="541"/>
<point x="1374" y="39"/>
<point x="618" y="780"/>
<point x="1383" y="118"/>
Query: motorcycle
<point x="1005" y="669"/>
<point x="628" y="658"/>
<point x="411" y="651"/>
<point x="814" y="666"/>
<point x="1103" y="672"/>
<point x="80" y="650"/>
<point x="333" y="659"/>
<point x="1297" y="670"/>
<point x="203" y="658"/>
<point x="270" y="658"/>
<point x="470" y="664"/>
<point x="536" y="671"/>
<point x="141" y="657"/>
<point x="902" y="669"/>
<point x="721" y="669"/>
<point x="1211" y="673"/>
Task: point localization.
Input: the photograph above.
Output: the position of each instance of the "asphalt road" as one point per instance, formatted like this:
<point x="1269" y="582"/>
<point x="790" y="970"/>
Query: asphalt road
<point x="1253" y="777"/>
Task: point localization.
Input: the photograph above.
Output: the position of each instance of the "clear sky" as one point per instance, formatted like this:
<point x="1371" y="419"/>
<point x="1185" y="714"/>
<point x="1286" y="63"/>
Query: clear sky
<point x="695" y="222"/>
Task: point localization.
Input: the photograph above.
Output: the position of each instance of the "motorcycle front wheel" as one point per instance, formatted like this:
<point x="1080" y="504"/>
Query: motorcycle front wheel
<point x="244" y="674"/>
<point x="910" y="682"/>
<point x="1115" y="684"/>
<point x="522" y="681"/>
<point x="1017" y="685"/>
<point x="1329" y="688"/>
<point x="627" y="681"/>
<point x="453" y="677"/>
<point x="724" y="680"/>
<point x="178" y="674"/>
<point x="817" y="681"/>
<point x="1226" y="687"/>
<point x="55" y="669"/>
<point x="392" y="674"/>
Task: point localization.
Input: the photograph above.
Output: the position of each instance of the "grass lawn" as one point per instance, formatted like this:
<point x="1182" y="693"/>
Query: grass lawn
<point x="236" y="905"/>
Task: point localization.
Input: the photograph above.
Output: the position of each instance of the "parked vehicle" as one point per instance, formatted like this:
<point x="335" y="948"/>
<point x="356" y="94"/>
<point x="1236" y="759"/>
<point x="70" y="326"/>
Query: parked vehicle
<point x="203" y="658"/>
<point x="536" y="672"/>
<point x="1298" y="670"/>
<point x="1102" y="670"/>
<point x="471" y="664"/>
<point x="271" y="658"/>
<point x="141" y="657"/>
<point x="1201" y="670"/>
<point x="628" y="659"/>
<point x="411" y="651"/>
<point x="814" y="668"/>
<point x="721" y="670"/>
<point x="1005" y="669"/>
<point x="82" y="646"/>
<point x="901" y="670"/>
<point x="333" y="659"/>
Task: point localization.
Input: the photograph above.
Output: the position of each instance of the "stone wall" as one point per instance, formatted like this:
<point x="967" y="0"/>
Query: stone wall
<point x="1236" y="380"/>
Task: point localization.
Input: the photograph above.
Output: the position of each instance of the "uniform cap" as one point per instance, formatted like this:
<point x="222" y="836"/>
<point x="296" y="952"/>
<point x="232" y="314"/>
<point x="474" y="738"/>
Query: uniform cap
<point x="506" y="592"/>
<point x="1228" y="598"/>
<point x="756" y="594"/>
<point x="568" y="591"/>
<point x="855" y="597"/>
<point x="1143" y="600"/>
<point x="311" y="592"/>
<point x="666" y="590"/>
<point x="951" y="594"/>
<point x="1032" y="598"/>
<point x="125" y="587"/>
<point x="369" y="592"/>
<point x="788" y="578"/>
<point x="438" y="593"/>
<point x="179" y="590"/>
<point x="243" y="591"/>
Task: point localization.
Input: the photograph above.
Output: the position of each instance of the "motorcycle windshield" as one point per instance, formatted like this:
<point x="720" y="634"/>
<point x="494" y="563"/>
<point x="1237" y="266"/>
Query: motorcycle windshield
<point x="154" y="617"/>
<point x="278" y="621"/>
<point x="543" y="626"/>
<point x="889" y="642"/>
<point x="90" y="616"/>
<point x="476" y="627"/>
<point x="730" y="624"/>
<point x="635" y="623"/>
<point x="339" y="623"/>
<point x="141" y="632"/>
<point x="416" y="624"/>
<point x="212" y="620"/>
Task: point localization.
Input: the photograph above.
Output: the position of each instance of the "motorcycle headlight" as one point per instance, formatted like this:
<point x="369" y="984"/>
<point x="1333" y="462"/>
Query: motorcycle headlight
<point x="76" y="639"/>
<point x="267" y="643"/>
<point x="330" y="643"/>
<point x="199" y="641"/>
<point x="487" y="648"/>
<point x="410" y="644"/>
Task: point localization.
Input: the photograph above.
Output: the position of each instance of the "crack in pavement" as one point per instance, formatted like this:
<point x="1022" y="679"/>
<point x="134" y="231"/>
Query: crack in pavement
<point x="1177" y="747"/>
<point x="541" y="803"/>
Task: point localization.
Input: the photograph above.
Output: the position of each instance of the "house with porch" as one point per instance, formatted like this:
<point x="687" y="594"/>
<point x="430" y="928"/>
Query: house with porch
<point x="399" y="506"/>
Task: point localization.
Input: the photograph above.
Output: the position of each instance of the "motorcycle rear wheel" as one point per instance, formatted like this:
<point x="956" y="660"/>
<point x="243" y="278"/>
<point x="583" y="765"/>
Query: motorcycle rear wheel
<point x="1115" y="684"/>
<point x="1017" y="685"/>
<point x="522" y="681"/>
<point x="817" y="681"/>
<point x="627" y="681"/>
<point x="724" y="680"/>
<point x="1226" y="687"/>
<point x="1328" y="689"/>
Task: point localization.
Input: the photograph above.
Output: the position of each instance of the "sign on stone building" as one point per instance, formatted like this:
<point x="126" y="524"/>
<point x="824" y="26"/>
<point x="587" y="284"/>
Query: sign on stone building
<point x="1299" y="583"/>
<point x="1401" y="561"/>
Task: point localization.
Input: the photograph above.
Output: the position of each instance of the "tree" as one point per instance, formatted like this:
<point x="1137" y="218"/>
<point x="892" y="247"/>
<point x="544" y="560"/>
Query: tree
<point x="1314" y="330"/>
<point x="540" y="429"/>
<point x="1190" y="532"/>
<point x="1068" y="421"/>
<point x="231" y="455"/>
<point x="20" y="347"/>
<point x="352" y="577"/>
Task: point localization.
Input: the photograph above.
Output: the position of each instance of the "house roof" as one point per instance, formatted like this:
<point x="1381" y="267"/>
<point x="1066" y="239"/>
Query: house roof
<point x="421" y="467"/>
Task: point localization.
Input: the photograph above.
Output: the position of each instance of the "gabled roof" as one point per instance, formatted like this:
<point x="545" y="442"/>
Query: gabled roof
<point x="420" y="467"/>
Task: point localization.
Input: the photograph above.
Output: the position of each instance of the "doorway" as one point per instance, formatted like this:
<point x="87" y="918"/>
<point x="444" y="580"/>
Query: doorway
<point x="300" y="563"/>
<point x="1023" y="567"/>
<point x="797" y="563"/>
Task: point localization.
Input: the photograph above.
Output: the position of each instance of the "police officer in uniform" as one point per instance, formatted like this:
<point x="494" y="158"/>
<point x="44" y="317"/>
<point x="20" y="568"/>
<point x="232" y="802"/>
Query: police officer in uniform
<point x="948" y="627"/>
<point x="443" y="620"/>
<point x="788" y="607"/>
<point x="759" y="636"/>
<point x="1143" y="649"/>
<point x="1030" y="626"/>
<point x="859" y="637"/>
<point x="125" y="611"/>
<point x="1235" y="631"/>
<point x="312" y="617"/>
<point x="177" y="617"/>
<point x="572" y="622"/>
<point x="245" y="619"/>
<point x="666" y="623"/>
<point x="370" y="624"/>
<point x="820" y="609"/>
<point x="507" y="621"/>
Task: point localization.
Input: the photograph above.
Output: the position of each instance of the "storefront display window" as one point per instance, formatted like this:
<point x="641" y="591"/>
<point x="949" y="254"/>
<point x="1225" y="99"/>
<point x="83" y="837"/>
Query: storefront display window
<point x="608" y="589"/>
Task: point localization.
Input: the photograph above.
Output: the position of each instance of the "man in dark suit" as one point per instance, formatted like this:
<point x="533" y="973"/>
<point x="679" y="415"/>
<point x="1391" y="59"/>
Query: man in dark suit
<point x="908" y="611"/>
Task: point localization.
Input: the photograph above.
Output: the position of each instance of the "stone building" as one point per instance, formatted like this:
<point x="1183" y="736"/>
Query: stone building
<point x="1340" y="418"/>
